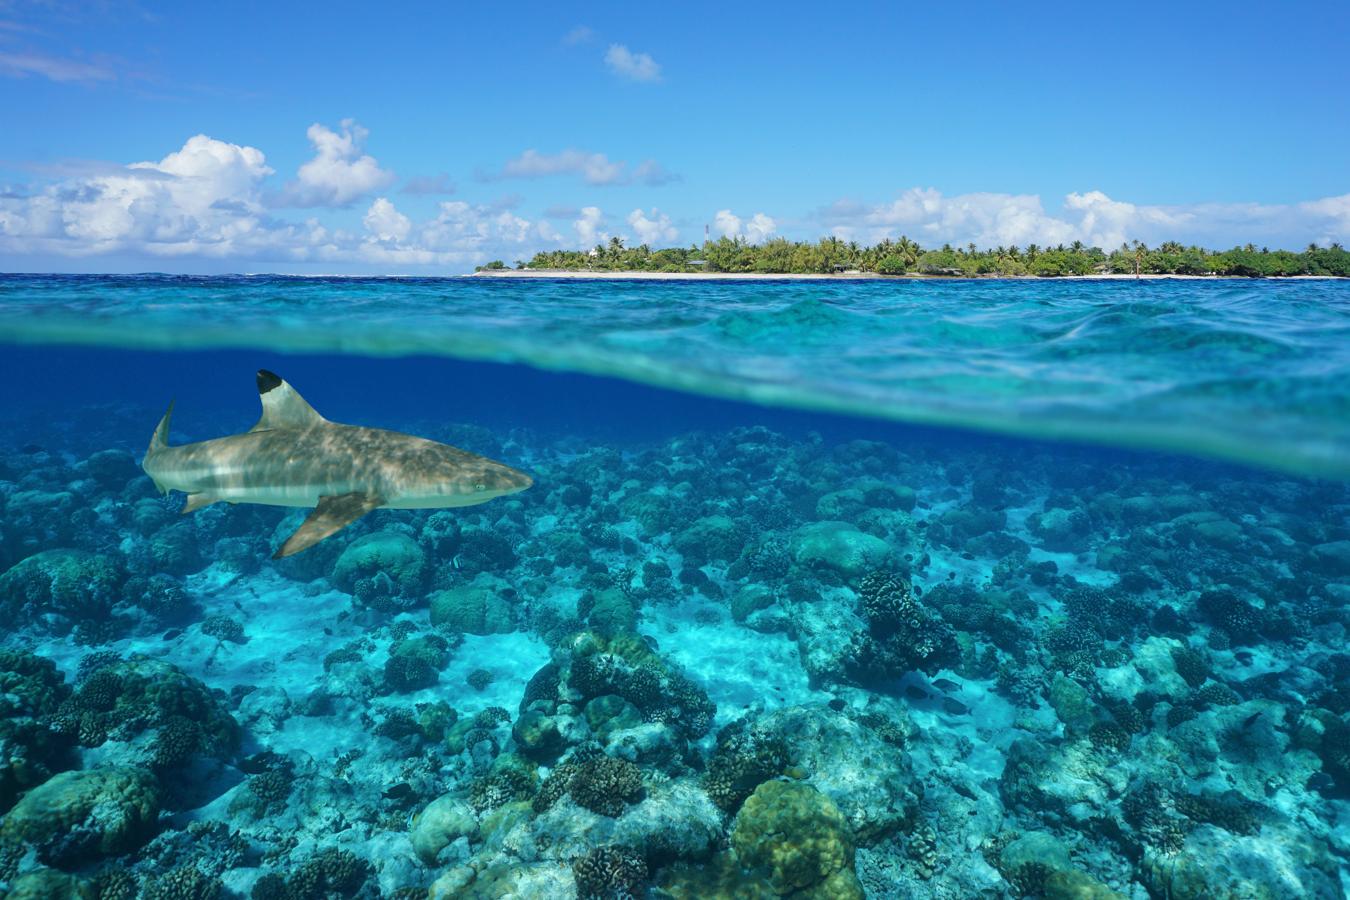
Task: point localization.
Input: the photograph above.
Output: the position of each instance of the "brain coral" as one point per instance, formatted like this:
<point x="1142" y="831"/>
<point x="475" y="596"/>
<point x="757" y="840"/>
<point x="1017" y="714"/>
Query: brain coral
<point x="798" y="838"/>
<point x="74" y="815"/>
<point x="382" y="565"/>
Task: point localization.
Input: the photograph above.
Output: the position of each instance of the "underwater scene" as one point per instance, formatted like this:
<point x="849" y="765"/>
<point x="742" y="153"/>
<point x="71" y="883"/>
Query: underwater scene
<point x="443" y="588"/>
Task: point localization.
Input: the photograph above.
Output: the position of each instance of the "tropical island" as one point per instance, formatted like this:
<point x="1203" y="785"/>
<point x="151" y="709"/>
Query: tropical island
<point x="904" y="257"/>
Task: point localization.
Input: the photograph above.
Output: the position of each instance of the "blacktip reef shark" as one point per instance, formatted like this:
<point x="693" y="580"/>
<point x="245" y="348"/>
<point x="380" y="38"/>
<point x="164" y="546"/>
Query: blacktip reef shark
<point x="296" y="457"/>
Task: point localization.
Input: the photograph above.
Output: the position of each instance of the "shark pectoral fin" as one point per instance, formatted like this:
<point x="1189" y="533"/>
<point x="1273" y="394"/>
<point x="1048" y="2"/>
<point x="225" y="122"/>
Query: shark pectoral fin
<point x="197" y="501"/>
<point x="331" y="516"/>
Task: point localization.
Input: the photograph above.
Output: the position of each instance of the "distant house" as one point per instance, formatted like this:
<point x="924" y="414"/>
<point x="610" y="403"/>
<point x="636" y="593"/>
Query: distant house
<point x="696" y="262"/>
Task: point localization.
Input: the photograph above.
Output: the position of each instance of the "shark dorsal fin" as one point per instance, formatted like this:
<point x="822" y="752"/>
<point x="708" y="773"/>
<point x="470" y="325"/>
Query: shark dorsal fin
<point x="282" y="406"/>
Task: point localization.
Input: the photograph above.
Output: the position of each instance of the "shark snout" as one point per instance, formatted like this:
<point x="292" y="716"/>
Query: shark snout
<point x="515" y="480"/>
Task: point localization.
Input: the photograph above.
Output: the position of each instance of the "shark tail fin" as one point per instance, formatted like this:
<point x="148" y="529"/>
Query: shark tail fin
<point x="160" y="439"/>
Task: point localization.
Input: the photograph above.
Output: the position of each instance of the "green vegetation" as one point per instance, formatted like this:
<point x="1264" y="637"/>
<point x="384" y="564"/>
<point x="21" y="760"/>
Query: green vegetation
<point x="905" y="257"/>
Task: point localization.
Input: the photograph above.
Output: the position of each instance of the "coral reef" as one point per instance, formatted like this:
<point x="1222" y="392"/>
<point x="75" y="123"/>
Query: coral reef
<point x="731" y="664"/>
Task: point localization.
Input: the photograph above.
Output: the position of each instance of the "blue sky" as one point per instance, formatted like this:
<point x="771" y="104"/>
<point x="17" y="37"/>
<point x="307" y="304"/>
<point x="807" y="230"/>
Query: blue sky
<point x="345" y="137"/>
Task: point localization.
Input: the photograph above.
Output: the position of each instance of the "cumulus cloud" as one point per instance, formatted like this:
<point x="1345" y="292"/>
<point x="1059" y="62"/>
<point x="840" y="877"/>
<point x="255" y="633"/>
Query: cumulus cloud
<point x="757" y="229"/>
<point x="458" y="232"/>
<point x="632" y="66"/>
<point x="992" y="219"/>
<point x="385" y="223"/>
<point x="339" y="174"/>
<point x="653" y="228"/>
<point x="594" y="168"/>
<point x="206" y="200"/>
<point x="201" y="198"/>
<point x="53" y="68"/>
<point x="588" y="226"/>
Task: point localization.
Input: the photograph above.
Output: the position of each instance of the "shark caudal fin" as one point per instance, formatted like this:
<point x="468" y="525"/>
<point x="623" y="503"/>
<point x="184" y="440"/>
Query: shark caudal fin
<point x="283" y="407"/>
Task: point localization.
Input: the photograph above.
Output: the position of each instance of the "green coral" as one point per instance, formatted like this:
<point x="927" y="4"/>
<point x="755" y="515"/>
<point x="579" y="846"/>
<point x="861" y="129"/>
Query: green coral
<point x="49" y="884"/>
<point x="799" y="839"/>
<point x="416" y="663"/>
<point x="745" y="758"/>
<point x="379" y="566"/>
<point x="1069" y="699"/>
<point x="480" y="607"/>
<point x="840" y="548"/>
<point x="605" y="784"/>
<point x="130" y="696"/>
<point x="536" y="734"/>
<point x="183" y="883"/>
<point x="612" y="613"/>
<point x="330" y="873"/>
<point x="31" y="689"/>
<point x="95" y="812"/>
<point x="75" y="584"/>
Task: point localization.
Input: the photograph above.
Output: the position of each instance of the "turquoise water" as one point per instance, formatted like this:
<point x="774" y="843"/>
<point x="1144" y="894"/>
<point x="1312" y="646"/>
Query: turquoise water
<point x="809" y="596"/>
<point x="1253" y="371"/>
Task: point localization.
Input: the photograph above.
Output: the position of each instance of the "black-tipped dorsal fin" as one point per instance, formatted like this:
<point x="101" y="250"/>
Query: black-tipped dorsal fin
<point x="282" y="406"/>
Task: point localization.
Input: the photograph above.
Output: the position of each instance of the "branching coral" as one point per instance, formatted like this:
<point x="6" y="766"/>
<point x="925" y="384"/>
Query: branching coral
<point x="902" y="634"/>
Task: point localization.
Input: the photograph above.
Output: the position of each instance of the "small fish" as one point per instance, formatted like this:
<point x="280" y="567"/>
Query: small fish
<point x="964" y="791"/>
<point x="916" y="693"/>
<point x="946" y="685"/>
<point x="1321" y="781"/>
<point x="954" y="707"/>
<point x="172" y="633"/>
<point x="1251" y="720"/>
<point x="398" y="791"/>
<point x="837" y="705"/>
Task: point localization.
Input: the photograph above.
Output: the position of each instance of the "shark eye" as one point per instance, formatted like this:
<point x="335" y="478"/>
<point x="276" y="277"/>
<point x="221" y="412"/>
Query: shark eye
<point x="480" y="487"/>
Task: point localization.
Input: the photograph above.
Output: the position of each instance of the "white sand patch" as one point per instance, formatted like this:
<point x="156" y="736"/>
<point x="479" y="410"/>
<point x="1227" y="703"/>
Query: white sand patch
<point x="740" y="669"/>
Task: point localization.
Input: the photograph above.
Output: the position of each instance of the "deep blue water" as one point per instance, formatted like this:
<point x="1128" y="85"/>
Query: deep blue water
<point x="765" y="600"/>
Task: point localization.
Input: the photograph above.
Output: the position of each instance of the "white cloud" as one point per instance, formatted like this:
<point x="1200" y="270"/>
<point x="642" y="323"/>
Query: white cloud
<point x="588" y="225"/>
<point x="759" y="228"/>
<point x="459" y="232"/>
<point x="755" y="230"/>
<point x="651" y="172"/>
<point x="990" y="220"/>
<point x="594" y="168"/>
<point x="202" y="198"/>
<point x="53" y="68"/>
<point x="654" y="228"/>
<point x="633" y="66"/>
<point x="385" y="222"/>
<point x="205" y="201"/>
<point x="339" y="174"/>
<point x="726" y="223"/>
<point x="581" y="34"/>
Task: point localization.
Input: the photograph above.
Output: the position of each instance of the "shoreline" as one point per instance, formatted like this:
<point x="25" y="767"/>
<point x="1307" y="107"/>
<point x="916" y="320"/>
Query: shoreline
<point x="607" y="275"/>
